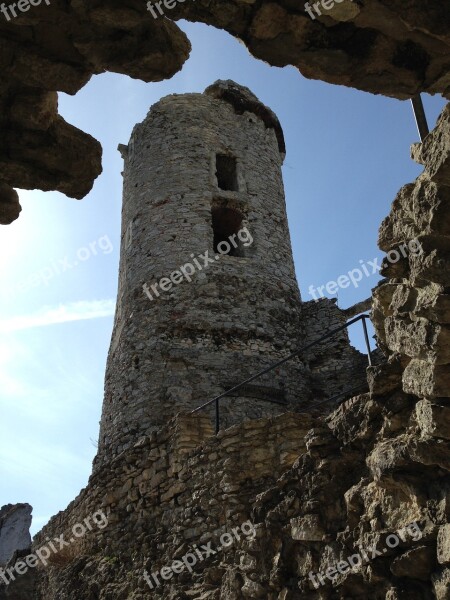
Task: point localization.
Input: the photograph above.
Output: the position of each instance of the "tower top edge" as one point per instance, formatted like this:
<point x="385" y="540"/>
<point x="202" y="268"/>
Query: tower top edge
<point x="241" y="98"/>
<point x="244" y="100"/>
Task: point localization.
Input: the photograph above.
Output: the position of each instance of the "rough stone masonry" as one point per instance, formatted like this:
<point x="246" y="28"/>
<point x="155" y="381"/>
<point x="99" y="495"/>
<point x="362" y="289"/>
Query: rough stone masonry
<point x="199" y="169"/>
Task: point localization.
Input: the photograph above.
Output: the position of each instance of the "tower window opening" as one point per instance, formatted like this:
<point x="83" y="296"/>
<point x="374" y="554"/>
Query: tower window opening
<point x="226" y="173"/>
<point x="226" y="224"/>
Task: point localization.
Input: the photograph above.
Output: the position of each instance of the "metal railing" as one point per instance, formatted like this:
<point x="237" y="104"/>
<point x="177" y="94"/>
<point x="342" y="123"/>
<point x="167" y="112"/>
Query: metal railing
<point x="421" y="118"/>
<point x="328" y="335"/>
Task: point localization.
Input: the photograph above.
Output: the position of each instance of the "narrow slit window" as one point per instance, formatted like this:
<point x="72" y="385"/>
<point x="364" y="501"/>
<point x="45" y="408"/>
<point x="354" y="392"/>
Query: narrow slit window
<point x="226" y="173"/>
<point x="226" y="224"/>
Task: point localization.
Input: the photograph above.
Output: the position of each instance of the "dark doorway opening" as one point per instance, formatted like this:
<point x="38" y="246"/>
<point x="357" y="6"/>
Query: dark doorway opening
<point x="226" y="224"/>
<point x="226" y="173"/>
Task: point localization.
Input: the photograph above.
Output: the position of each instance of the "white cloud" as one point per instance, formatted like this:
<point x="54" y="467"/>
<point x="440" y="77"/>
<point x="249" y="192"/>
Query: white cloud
<point x="64" y="313"/>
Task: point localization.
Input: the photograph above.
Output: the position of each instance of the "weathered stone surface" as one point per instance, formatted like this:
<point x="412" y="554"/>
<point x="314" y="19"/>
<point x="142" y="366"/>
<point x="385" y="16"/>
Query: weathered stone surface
<point x="385" y="378"/>
<point x="420" y="209"/>
<point x="15" y="522"/>
<point x="429" y="302"/>
<point x="443" y="545"/>
<point x="219" y="479"/>
<point x="412" y="311"/>
<point x="418" y="338"/>
<point x="9" y="204"/>
<point x="434" y="264"/>
<point x="433" y="419"/>
<point x="243" y="100"/>
<point x="335" y="366"/>
<point x="425" y="379"/>
<point x="441" y="584"/>
<point x="434" y="152"/>
<point x="419" y="561"/>
<point x="354" y="421"/>
<point x="323" y="509"/>
<point x="307" y="529"/>
<point x="58" y="47"/>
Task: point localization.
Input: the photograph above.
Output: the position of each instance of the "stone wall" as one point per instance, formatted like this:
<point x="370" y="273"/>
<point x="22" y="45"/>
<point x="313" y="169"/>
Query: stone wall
<point x="179" y="487"/>
<point x="336" y="367"/>
<point x="412" y="309"/>
<point x="316" y="494"/>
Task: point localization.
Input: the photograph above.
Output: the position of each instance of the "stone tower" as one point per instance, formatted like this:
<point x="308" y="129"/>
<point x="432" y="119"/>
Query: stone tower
<point x="201" y="170"/>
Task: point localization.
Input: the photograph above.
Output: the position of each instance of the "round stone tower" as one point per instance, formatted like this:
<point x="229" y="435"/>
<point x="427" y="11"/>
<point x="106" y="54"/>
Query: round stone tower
<point x="207" y="289"/>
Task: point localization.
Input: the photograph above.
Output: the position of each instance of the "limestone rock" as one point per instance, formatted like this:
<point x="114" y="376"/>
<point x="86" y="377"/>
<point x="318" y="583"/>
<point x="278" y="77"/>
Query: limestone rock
<point x="418" y="562"/>
<point x="418" y="338"/>
<point x="443" y="545"/>
<point x="433" y="419"/>
<point x="9" y="204"/>
<point x="441" y="584"/>
<point x="422" y="208"/>
<point x="434" y="152"/>
<point x="426" y="379"/>
<point x="385" y="378"/>
<point x="15" y="521"/>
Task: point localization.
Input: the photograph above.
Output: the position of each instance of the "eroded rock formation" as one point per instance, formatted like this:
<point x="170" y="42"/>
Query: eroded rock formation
<point x="58" y="47"/>
<point x="15" y="521"/>
<point x="389" y="47"/>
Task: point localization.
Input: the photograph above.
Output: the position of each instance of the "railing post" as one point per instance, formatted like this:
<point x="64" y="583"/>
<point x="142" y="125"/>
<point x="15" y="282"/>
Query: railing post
<point x="366" y="336"/>
<point x="217" y="416"/>
<point x="421" y="119"/>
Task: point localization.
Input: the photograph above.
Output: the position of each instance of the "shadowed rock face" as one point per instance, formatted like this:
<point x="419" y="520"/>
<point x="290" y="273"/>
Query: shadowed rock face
<point x="15" y="521"/>
<point x="58" y="47"/>
<point x="392" y="47"/>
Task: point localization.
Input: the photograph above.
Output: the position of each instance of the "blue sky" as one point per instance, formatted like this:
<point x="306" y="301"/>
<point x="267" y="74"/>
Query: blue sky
<point x="347" y="156"/>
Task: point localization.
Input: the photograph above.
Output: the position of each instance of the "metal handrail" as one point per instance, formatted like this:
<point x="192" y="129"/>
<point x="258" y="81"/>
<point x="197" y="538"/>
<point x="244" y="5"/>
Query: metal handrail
<point x="331" y="333"/>
<point x="421" y="118"/>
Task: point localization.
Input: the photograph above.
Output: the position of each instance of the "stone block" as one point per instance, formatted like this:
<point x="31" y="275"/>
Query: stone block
<point x="418" y="338"/>
<point x="426" y="380"/>
<point x="307" y="528"/>
<point x="441" y="584"/>
<point x="417" y="563"/>
<point x="435" y="150"/>
<point x="385" y="378"/>
<point x="443" y="545"/>
<point x="432" y="419"/>
<point x="15" y="522"/>
<point x="422" y="208"/>
<point x="434" y="264"/>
